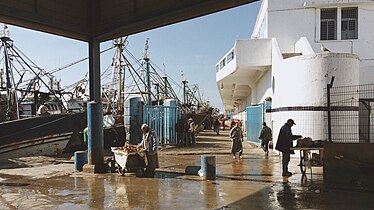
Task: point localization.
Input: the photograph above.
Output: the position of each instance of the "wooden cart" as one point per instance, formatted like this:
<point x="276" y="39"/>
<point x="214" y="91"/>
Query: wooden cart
<point x="307" y="161"/>
<point x="135" y="162"/>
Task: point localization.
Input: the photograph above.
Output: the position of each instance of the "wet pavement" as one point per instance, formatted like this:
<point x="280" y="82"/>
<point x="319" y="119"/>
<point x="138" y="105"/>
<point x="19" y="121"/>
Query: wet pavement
<point x="254" y="182"/>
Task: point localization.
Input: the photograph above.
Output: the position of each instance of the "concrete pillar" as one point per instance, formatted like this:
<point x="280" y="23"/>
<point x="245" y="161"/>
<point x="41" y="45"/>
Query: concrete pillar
<point x="95" y="136"/>
<point x="94" y="70"/>
<point x="95" y="113"/>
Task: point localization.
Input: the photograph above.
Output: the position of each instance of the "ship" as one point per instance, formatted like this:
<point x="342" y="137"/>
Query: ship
<point x="24" y="129"/>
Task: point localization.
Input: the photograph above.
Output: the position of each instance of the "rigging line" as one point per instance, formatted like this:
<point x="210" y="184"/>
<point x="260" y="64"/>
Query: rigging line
<point x="141" y="66"/>
<point x="105" y="71"/>
<point x="12" y="63"/>
<point x="162" y="82"/>
<point x="19" y="73"/>
<point x="158" y="75"/>
<point x="52" y="91"/>
<point x="78" y="61"/>
<point x="132" y="68"/>
<point x="20" y="62"/>
<point x="133" y="57"/>
<point x="169" y="77"/>
<point x="24" y="55"/>
<point x="77" y="82"/>
<point x="137" y="86"/>
<point x="133" y="88"/>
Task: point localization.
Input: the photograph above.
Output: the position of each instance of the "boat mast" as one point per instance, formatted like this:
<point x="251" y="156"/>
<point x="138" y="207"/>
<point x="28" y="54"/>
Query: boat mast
<point x="148" y="76"/>
<point x="12" y="112"/>
<point x="118" y="65"/>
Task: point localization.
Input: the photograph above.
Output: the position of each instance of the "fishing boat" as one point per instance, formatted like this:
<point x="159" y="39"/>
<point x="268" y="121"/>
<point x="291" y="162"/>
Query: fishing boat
<point x="24" y="132"/>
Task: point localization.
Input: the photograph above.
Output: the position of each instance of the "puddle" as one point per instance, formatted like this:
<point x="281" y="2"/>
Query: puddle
<point x="167" y="175"/>
<point x="11" y="184"/>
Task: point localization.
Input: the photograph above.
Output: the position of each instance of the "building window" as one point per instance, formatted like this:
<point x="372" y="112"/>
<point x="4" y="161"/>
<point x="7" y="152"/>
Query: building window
<point x="328" y="24"/>
<point x="222" y="64"/>
<point x="349" y="23"/>
<point x="230" y="56"/>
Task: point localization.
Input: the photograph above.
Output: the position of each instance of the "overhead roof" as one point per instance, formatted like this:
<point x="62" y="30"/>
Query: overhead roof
<point x="105" y="19"/>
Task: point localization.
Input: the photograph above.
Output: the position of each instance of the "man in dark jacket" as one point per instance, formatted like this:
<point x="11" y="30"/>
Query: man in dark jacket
<point x="284" y="144"/>
<point x="265" y="136"/>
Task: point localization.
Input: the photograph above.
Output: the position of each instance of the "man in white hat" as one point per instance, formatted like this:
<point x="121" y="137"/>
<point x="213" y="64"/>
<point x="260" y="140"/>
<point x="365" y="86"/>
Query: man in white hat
<point x="191" y="132"/>
<point x="150" y="144"/>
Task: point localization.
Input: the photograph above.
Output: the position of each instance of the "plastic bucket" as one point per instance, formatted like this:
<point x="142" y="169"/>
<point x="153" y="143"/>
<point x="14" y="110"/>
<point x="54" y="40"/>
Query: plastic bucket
<point x="208" y="167"/>
<point x="80" y="158"/>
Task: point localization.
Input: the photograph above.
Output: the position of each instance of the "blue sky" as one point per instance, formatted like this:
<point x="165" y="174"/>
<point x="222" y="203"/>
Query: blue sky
<point x="193" y="46"/>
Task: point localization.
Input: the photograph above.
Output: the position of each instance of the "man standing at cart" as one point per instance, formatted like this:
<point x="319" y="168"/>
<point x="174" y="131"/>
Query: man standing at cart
<point x="284" y="145"/>
<point x="150" y="144"/>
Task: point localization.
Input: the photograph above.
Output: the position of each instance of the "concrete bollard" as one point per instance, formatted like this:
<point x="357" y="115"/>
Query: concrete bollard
<point x="208" y="168"/>
<point x="80" y="158"/>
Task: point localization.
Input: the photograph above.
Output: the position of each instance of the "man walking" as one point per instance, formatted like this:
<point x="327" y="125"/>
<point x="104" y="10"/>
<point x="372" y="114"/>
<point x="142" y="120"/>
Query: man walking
<point x="284" y="144"/>
<point x="265" y="136"/>
<point x="216" y="125"/>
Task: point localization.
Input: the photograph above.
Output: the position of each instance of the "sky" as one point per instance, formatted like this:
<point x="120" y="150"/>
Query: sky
<point x="193" y="46"/>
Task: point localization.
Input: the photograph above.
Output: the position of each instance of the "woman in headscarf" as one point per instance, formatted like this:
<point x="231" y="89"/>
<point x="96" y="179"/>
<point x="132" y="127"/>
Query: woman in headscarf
<point x="236" y="134"/>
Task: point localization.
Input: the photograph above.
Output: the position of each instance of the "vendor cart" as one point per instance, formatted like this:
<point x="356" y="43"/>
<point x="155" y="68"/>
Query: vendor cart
<point x="130" y="161"/>
<point x="309" y="159"/>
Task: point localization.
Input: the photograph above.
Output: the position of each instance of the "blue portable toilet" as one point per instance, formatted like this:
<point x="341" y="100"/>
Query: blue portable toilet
<point x="133" y="115"/>
<point x="171" y="117"/>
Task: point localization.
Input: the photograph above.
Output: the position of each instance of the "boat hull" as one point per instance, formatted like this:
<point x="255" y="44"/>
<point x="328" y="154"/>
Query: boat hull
<point x="47" y="135"/>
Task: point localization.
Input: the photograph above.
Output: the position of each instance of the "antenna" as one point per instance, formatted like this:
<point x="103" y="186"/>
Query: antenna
<point x="5" y="32"/>
<point x="146" y="47"/>
<point x="182" y="76"/>
<point x="164" y="69"/>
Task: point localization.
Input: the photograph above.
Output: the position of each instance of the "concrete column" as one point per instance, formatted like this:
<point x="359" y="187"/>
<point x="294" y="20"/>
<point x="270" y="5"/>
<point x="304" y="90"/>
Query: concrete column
<point x="95" y="113"/>
<point x="94" y="70"/>
<point x="95" y="136"/>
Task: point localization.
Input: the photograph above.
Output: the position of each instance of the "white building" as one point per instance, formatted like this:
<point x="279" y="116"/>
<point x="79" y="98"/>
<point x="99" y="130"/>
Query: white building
<point x="281" y="71"/>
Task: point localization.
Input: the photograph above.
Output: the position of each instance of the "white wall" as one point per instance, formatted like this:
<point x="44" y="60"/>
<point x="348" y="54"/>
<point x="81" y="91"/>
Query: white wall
<point x="264" y="86"/>
<point x="299" y="81"/>
<point x="289" y="25"/>
<point x="288" y="20"/>
<point x="253" y="52"/>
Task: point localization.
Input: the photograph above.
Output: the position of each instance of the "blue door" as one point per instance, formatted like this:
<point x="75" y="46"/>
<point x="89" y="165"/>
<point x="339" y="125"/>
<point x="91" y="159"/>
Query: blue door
<point x="254" y="122"/>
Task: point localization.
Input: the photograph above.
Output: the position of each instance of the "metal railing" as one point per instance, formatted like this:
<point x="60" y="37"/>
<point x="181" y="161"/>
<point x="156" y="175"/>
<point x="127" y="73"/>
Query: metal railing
<point x="350" y="116"/>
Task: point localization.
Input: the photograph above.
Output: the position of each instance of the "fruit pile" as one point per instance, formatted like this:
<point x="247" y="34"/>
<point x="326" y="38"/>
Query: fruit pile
<point x="130" y="148"/>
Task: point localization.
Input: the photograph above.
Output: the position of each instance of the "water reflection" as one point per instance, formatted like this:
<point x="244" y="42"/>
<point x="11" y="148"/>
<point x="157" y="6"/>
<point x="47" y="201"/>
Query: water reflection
<point x="96" y="193"/>
<point x="286" y="197"/>
<point x="208" y="190"/>
<point x="136" y="193"/>
<point x="237" y="168"/>
<point x="267" y="169"/>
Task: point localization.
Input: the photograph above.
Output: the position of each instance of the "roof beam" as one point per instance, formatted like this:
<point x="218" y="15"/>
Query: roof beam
<point x="177" y="11"/>
<point x="105" y="19"/>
